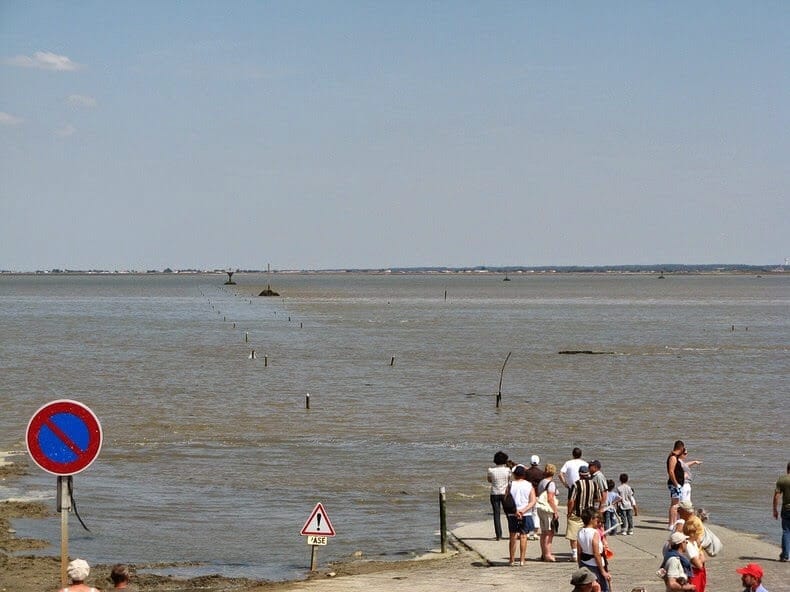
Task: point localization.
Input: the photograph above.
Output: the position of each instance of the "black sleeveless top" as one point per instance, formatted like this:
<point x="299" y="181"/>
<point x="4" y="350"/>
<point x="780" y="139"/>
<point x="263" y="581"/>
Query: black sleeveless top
<point x="680" y="475"/>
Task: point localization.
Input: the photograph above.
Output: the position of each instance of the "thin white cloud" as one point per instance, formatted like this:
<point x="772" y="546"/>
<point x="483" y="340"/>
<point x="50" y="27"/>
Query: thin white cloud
<point x="65" y="131"/>
<point x="8" y="119"/>
<point x="81" y="101"/>
<point x="43" y="60"/>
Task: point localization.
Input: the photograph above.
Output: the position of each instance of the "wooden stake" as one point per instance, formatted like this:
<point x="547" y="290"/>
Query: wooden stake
<point x="443" y="518"/>
<point x="501" y="374"/>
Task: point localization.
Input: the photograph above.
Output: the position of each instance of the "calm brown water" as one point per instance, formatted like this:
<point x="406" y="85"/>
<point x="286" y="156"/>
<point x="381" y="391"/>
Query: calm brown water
<point x="210" y="456"/>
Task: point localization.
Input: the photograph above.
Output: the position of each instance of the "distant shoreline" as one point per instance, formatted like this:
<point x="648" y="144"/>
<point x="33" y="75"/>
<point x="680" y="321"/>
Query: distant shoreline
<point x="657" y="270"/>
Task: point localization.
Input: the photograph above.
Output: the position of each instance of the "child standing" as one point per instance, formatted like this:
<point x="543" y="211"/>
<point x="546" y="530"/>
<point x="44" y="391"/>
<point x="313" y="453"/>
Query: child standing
<point x="627" y="505"/>
<point x="612" y="503"/>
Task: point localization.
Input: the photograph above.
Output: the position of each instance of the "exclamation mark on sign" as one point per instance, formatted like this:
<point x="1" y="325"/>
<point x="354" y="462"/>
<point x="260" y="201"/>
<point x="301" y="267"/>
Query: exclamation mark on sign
<point x="318" y="521"/>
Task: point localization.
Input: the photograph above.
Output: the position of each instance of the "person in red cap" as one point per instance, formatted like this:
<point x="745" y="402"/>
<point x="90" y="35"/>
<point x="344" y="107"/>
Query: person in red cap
<point x="752" y="578"/>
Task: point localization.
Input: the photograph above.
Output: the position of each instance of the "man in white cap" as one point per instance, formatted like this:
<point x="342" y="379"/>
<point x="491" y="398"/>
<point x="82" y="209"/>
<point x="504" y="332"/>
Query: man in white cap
<point x="78" y="571"/>
<point x="583" y="580"/>
<point x="535" y="476"/>
<point x="676" y="566"/>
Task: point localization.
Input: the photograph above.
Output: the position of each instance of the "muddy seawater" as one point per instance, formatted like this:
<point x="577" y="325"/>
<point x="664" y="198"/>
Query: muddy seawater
<point x="211" y="457"/>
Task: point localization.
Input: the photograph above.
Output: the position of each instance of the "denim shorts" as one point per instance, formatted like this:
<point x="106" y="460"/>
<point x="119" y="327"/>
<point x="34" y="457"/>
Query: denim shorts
<point x="675" y="492"/>
<point x="523" y="525"/>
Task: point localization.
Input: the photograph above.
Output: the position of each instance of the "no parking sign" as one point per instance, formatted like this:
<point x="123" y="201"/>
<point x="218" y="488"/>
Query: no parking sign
<point x="64" y="437"/>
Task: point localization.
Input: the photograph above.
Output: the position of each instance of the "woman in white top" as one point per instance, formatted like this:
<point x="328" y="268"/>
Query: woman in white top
<point x="78" y="571"/>
<point x="520" y="524"/>
<point x="498" y="477"/>
<point x="685" y="490"/>
<point x="591" y="550"/>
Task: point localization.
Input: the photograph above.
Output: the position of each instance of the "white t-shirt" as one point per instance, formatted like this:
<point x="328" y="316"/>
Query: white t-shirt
<point x="570" y="470"/>
<point x="675" y="569"/>
<point x="627" y="494"/>
<point x="520" y="490"/>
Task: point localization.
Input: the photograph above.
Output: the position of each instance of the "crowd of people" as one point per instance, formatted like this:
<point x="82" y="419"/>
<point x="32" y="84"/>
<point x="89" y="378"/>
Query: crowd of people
<point x="598" y="508"/>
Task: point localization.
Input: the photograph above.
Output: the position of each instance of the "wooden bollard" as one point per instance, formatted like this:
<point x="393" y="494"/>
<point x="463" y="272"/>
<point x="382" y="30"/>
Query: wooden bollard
<point x="265" y="361"/>
<point x="300" y="325"/>
<point x="252" y="355"/>
<point x="392" y="361"/>
<point x="307" y="401"/>
<point x="443" y="518"/>
<point x="246" y="337"/>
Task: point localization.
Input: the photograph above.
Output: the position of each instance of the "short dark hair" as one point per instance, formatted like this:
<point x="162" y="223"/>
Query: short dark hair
<point x="119" y="573"/>
<point x="610" y="484"/>
<point x="577" y="452"/>
<point x="588" y="514"/>
<point x="623" y="477"/>
<point x="500" y="458"/>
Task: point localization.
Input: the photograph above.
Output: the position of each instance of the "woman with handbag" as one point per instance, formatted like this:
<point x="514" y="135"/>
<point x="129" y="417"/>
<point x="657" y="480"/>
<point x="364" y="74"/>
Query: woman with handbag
<point x="548" y="513"/>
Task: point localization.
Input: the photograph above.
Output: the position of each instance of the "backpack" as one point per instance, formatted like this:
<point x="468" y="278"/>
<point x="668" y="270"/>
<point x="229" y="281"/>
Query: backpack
<point x="508" y="503"/>
<point x="711" y="543"/>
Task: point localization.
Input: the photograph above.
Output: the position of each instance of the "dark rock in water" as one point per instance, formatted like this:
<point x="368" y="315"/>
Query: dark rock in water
<point x="584" y="351"/>
<point x="268" y="291"/>
<point x="229" y="283"/>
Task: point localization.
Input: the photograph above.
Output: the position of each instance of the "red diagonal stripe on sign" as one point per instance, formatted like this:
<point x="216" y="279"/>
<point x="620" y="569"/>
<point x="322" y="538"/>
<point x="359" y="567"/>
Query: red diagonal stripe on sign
<point x="63" y="436"/>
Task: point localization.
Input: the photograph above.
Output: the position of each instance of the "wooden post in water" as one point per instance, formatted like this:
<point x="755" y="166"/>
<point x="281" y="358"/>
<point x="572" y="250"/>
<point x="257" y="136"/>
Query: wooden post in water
<point x="443" y="518"/>
<point x="501" y="374"/>
<point x="246" y="337"/>
<point x="307" y="401"/>
<point x="265" y="361"/>
<point x="392" y="361"/>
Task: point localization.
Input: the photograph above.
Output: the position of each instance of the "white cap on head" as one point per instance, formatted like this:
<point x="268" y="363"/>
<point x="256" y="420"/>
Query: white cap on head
<point x="535" y="460"/>
<point x="78" y="570"/>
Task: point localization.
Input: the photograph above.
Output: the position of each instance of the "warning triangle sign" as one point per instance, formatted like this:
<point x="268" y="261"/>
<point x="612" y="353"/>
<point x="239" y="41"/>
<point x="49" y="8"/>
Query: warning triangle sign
<point x="318" y="523"/>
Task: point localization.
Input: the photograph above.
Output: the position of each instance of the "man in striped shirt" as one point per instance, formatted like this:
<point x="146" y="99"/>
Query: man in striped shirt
<point x="585" y="493"/>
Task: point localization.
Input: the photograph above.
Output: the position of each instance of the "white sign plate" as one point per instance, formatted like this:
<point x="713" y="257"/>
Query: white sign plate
<point x="317" y="540"/>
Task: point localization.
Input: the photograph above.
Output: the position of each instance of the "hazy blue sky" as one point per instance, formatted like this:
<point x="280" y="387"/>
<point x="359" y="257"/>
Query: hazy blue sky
<point x="137" y="135"/>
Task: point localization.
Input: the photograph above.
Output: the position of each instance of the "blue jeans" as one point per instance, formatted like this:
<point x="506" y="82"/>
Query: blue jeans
<point x="609" y="520"/>
<point x="496" y="506"/>
<point x="785" y="534"/>
<point x="627" y="516"/>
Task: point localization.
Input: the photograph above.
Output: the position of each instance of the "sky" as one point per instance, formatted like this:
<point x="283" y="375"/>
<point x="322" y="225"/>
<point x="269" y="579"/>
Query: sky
<point x="343" y="134"/>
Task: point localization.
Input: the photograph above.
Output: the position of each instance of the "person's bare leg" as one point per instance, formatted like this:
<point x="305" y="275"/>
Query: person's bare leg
<point x="512" y="546"/>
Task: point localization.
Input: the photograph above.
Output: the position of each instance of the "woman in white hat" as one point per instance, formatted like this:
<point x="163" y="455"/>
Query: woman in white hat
<point x="78" y="571"/>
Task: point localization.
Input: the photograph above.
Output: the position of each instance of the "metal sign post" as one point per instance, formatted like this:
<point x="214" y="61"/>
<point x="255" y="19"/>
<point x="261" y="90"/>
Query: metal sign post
<point x="64" y="437"/>
<point x="64" y="506"/>
<point x="318" y="529"/>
